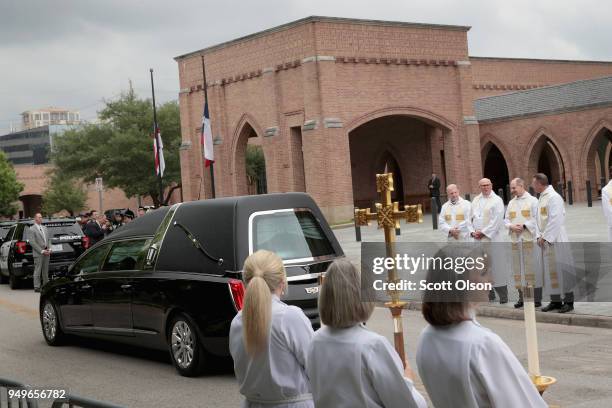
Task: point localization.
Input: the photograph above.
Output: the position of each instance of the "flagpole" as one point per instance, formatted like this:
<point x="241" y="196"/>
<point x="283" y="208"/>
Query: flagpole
<point x="157" y="142"/>
<point x="205" y="87"/>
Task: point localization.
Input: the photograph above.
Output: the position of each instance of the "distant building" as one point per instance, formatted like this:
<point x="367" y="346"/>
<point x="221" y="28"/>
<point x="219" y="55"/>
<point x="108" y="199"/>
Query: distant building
<point x="31" y="146"/>
<point x="49" y="116"/>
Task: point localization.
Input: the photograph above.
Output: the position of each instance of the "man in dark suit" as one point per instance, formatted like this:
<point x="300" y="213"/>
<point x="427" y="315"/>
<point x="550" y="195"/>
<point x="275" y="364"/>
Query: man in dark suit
<point x="434" y="190"/>
<point x="39" y="241"/>
<point x="94" y="229"/>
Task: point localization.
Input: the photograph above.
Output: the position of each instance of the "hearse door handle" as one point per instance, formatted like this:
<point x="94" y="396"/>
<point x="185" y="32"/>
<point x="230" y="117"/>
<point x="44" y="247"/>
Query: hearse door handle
<point x="86" y="286"/>
<point x="126" y="286"/>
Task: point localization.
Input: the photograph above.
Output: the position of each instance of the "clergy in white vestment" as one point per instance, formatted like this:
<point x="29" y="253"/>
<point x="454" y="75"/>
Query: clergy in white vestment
<point x="488" y="226"/>
<point x="269" y="340"/>
<point x="522" y="227"/>
<point x="350" y="366"/>
<point x="461" y="363"/>
<point x="558" y="265"/>
<point x="606" y="205"/>
<point x="455" y="216"/>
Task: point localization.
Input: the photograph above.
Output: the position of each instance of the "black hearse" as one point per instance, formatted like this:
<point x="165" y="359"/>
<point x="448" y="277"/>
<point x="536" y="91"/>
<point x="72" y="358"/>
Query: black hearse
<point x="172" y="278"/>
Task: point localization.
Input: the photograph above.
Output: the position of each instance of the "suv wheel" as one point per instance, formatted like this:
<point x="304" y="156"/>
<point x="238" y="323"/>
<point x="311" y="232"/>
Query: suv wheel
<point x="185" y="346"/>
<point x="49" y="322"/>
<point x="14" y="282"/>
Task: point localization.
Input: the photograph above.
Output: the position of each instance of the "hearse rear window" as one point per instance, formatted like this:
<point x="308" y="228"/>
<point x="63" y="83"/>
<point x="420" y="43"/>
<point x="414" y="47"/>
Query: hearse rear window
<point x="294" y="234"/>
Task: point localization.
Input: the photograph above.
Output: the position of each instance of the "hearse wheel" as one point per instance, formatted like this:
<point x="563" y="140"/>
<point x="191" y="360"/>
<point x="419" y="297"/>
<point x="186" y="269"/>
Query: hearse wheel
<point x="186" y="351"/>
<point x="49" y="322"/>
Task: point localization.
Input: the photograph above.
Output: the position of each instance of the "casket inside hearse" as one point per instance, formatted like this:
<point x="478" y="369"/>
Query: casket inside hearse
<point x="172" y="279"/>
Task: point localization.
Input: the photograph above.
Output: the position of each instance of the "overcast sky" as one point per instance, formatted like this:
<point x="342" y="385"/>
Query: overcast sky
<point x="74" y="53"/>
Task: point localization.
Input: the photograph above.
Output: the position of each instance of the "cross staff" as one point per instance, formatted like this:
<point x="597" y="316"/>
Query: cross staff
<point x="388" y="217"/>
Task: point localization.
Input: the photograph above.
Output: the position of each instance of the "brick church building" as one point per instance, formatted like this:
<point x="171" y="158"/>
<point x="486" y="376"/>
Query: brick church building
<point x="332" y="101"/>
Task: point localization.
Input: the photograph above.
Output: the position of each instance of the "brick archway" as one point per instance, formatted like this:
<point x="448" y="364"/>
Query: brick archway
<point x="545" y="156"/>
<point x="495" y="167"/>
<point x="595" y="157"/>
<point x="247" y="129"/>
<point x="414" y="141"/>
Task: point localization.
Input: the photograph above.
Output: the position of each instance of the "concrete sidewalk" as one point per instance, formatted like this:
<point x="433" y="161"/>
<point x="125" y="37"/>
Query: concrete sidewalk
<point x="583" y="224"/>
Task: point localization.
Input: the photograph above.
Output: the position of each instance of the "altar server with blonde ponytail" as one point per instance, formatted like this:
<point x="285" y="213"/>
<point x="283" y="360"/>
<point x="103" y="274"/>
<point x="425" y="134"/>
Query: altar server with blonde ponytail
<point x="269" y="339"/>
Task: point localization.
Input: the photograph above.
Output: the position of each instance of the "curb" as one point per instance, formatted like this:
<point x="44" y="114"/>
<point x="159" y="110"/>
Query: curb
<point x="569" y="319"/>
<point x="342" y="226"/>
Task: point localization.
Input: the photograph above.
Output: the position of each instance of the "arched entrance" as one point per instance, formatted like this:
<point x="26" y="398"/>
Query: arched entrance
<point x="546" y="158"/>
<point x="32" y="203"/>
<point x="249" y="163"/>
<point x="495" y="168"/>
<point x="411" y="148"/>
<point x="597" y="163"/>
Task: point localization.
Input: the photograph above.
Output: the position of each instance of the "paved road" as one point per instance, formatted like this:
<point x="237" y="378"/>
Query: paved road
<point x="581" y="359"/>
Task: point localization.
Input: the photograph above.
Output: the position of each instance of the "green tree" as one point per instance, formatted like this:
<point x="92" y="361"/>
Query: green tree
<point x="256" y="167"/>
<point x="120" y="149"/>
<point x="63" y="193"/>
<point x="9" y="187"/>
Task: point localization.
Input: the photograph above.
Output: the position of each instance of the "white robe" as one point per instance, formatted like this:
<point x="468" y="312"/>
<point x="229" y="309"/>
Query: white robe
<point x="277" y="376"/>
<point x="606" y="205"/>
<point x="357" y="368"/>
<point x="466" y="365"/>
<point x="516" y="213"/>
<point x="488" y="217"/>
<point x="551" y="226"/>
<point x="448" y="219"/>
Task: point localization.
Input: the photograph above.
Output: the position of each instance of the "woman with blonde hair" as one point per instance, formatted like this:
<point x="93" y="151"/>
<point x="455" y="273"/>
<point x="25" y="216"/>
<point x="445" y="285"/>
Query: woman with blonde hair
<point x="348" y="365"/>
<point x="269" y="339"/>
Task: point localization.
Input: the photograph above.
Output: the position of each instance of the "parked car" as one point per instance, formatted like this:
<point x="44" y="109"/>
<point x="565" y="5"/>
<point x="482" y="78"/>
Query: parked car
<point x="5" y="226"/>
<point x="172" y="280"/>
<point x="16" y="260"/>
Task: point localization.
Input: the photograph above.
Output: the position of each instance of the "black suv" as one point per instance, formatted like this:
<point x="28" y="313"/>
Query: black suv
<point x="5" y="226"/>
<point x="16" y="261"/>
<point x="172" y="280"/>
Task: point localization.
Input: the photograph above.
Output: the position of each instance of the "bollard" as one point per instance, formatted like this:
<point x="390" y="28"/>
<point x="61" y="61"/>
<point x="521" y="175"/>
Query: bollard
<point x="434" y="213"/>
<point x="467" y="196"/>
<point x="508" y="194"/>
<point x="500" y="193"/>
<point x="398" y="232"/>
<point x="357" y="231"/>
<point x="589" y="193"/>
<point x="531" y="191"/>
<point x="570" y="193"/>
<point x="560" y="189"/>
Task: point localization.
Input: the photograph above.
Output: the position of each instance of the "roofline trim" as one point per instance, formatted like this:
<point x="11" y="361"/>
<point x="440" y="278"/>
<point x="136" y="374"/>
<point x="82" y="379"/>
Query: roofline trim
<point x="552" y="61"/>
<point x="546" y="112"/>
<point x="542" y="87"/>
<point x="321" y="19"/>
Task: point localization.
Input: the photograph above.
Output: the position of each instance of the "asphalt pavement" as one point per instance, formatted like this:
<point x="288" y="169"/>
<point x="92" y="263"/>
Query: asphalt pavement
<point x="579" y="357"/>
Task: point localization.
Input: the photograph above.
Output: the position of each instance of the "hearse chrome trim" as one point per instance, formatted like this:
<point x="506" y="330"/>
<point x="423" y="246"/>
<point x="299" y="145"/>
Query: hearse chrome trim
<point x="158" y="239"/>
<point x="291" y="262"/>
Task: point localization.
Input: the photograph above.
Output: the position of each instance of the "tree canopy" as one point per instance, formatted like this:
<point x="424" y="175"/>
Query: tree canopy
<point x="63" y="193"/>
<point x="120" y="148"/>
<point x="9" y="187"/>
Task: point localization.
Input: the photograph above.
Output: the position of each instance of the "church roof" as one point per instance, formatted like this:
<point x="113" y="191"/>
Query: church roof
<point x="578" y="95"/>
<point x="324" y="19"/>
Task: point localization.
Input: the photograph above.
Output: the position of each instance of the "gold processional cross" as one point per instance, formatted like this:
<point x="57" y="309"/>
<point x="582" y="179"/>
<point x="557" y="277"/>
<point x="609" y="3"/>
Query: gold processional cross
<point x="388" y="217"/>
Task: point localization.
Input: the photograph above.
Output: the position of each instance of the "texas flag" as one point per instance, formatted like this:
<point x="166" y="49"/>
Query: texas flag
<point x="206" y="138"/>
<point x="160" y="164"/>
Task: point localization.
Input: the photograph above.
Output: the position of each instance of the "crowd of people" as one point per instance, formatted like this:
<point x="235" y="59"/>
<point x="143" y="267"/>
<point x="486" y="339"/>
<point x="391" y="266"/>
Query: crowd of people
<point x="280" y="361"/>
<point x="537" y="224"/>
<point x="96" y="226"/>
